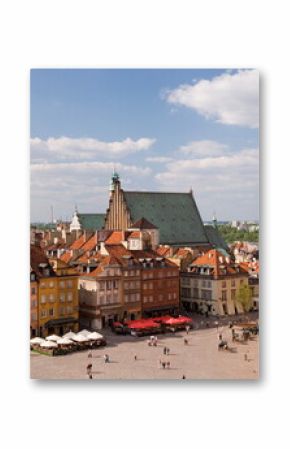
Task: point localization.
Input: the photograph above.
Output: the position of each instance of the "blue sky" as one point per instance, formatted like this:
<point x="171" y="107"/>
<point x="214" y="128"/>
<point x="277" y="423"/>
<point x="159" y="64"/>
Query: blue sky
<point x="166" y="130"/>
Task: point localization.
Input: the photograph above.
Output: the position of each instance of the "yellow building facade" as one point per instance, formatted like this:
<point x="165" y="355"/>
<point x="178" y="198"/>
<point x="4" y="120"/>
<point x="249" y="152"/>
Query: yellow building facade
<point x="58" y="304"/>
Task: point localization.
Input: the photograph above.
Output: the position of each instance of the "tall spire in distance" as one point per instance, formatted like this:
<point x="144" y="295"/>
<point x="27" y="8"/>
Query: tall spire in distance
<point x="214" y="220"/>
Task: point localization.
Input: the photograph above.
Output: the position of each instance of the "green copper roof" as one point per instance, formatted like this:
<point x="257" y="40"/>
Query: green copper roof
<point x="92" y="221"/>
<point x="215" y="238"/>
<point x="175" y="214"/>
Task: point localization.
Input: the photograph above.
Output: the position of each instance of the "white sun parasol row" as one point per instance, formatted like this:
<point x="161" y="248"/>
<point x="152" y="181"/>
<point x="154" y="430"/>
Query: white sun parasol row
<point x="70" y="337"/>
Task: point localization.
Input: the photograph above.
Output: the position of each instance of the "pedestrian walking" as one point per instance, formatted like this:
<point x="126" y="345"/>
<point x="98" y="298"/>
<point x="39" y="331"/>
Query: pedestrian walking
<point x="245" y="357"/>
<point x="187" y="329"/>
<point x="106" y="358"/>
<point x="164" y="350"/>
<point x="163" y="365"/>
<point x="135" y="357"/>
<point x="90" y="376"/>
<point x="89" y="369"/>
<point x="183" y="376"/>
<point x="167" y="351"/>
<point x="185" y="341"/>
<point x="168" y="365"/>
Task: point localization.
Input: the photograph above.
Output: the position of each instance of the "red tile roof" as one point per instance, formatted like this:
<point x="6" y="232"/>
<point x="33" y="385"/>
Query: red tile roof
<point x="115" y="238"/>
<point x="66" y="257"/>
<point x="77" y="244"/>
<point x="214" y="259"/>
<point x="90" y="244"/>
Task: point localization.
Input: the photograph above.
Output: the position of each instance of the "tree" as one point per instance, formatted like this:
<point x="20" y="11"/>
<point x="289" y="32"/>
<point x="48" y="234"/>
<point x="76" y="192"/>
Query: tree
<point x="245" y="297"/>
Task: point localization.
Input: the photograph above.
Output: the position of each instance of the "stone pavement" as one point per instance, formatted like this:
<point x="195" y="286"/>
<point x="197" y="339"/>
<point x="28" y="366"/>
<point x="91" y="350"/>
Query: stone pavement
<point x="200" y="359"/>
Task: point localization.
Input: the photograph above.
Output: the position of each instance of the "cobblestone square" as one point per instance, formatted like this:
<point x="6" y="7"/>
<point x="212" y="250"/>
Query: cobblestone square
<point x="199" y="359"/>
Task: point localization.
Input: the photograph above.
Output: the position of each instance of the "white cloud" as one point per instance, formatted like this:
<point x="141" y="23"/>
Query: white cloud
<point x="235" y="173"/>
<point x="231" y="98"/>
<point x="203" y="148"/>
<point x="88" y="168"/>
<point x="157" y="159"/>
<point x="66" y="148"/>
<point x="86" y="183"/>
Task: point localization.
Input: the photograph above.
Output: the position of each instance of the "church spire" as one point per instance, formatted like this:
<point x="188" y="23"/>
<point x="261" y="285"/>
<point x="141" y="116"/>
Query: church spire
<point x="214" y="220"/>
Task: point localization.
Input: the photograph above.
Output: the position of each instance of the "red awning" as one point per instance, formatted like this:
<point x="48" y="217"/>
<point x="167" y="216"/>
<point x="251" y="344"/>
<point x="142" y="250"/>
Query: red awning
<point x="142" y="324"/>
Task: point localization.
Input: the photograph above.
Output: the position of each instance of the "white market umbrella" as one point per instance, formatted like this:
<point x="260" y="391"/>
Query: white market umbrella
<point x="84" y="332"/>
<point x="95" y="336"/>
<point x="37" y="340"/>
<point x="48" y="344"/>
<point x="79" y="338"/>
<point x="52" y="338"/>
<point x="69" y="334"/>
<point x="64" y="341"/>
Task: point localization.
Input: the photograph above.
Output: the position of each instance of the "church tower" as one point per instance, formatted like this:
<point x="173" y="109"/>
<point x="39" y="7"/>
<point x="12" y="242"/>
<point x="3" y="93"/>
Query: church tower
<point x="117" y="216"/>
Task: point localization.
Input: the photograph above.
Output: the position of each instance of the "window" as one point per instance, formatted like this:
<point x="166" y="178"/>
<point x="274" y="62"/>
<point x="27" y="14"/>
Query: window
<point x="69" y="310"/>
<point x="186" y="292"/>
<point x="145" y="286"/>
<point x="206" y="294"/>
<point x="33" y="290"/>
<point x="42" y="284"/>
<point x="51" y="284"/>
<point x="224" y="295"/>
<point x="224" y="284"/>
<point x="138" y="273"/>
<point x="43" y="299"/>
<point x="233" y="283"/>
<point x="241" y="282"/>
<point x="62" y="297"/>
<point x="61" y="311"/>
<point x="69" y="284"/>
<point x="196" y="292"/>
<point x="51" y="298"/>
<point x="43" y="314"/>
<point x="186" y="281"/>
<point x="208" y="284"/>
<point x="33" y="304"/>
<point x="233" y="294"/>
<point x="70" y="296"/>
<point x="160" y="297"/>
<point x="62" y="284"/>
<point x="32" y="277"/>
<point x="50" y="312"/>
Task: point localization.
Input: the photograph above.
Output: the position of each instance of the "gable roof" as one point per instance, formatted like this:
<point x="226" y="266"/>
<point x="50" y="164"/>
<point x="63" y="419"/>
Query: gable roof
<point x="215" y="237"/>
<point x="92" y="221"/>
<point x="38" y="260"/>
<point x="143" y="224"/>
<point x="175" y="214"/>
<point x="218" y="262"/>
